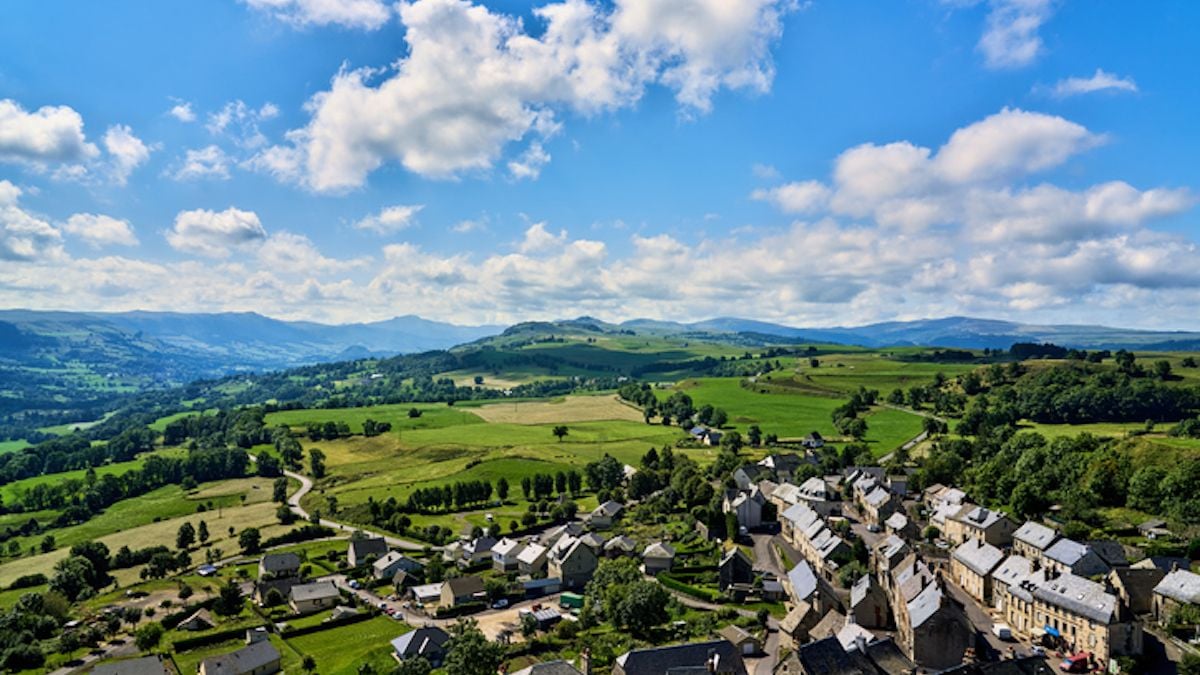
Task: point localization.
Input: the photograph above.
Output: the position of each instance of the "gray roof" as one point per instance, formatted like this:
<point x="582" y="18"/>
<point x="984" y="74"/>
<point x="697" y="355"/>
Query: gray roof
<point x="1079" y="596"/>
<point x="371" y="546"/>
<point x="659" y="550"/>
<point x="1066" y="551"/>
<point x="1180" y="585"/>
<point x="980" y="557"/>
<point x="421" y="642"/>
<point x="860" y="589"/>
<point x="279" y="562"/>
<point x="802" y="581"/>
<point x="893" y="546"/>
<point x="146" y="665"/>
<point x="683" y="658"/>
<point x="314" y="591"/>
<point x="549" y="668"/>
<point x="461" y="586"/>
<point x="979" y="516"/>
<point x="828" y="657"/>
<point x="925" y="605"/>
<point x="1013" y="569"/>
<point x="621" y="543"/>
<point x="244" y="660"/>
<point x="1035" y="534"/>
<point x="609" y="508"/>
<point x="878" y="497"/>
<point x="897" y="521"/>
<point x="736" y="553"/>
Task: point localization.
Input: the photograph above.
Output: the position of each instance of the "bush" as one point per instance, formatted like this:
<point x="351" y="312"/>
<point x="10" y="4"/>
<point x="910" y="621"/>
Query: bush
<point x="28" y="581"/>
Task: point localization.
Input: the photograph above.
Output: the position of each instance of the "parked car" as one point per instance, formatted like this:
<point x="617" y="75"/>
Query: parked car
<point x="1002" y="631"/>
<point x="1075" y="664"/>
<point x="354" y="584"/>
<point x="500" y="604"/>
<point x="1038" y="650"/>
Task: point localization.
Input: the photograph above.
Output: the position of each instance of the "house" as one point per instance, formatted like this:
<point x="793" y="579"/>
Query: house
<point x="1032" y="539"/>
<point x="828" y="656"/>
<point x="428" y="594"/>
<point x="594" y="541"/>
<point x="747" y="505"/>
<point x="532" y="559"/>
<point x="259" y="658"/>
<point x="749" y="475"/>
<point x="1085" y="615"/>
<point x="851" y="635"/>
<point x="550" y="537"/>
<point x="1110" y="551"/>
<point x="938" y="494"/>
<point x="819" y="496"/>
<point x="1155" y="528"/>
<point x="887" y="555"/>
<point x="1067" y="556"/>
<point x="393" y="562"/>
<point x="428" y="642"/>
<point x="476" y="551"/>
<point x="705" y="436"/>
<point x="536" y="588"/>
<point x="813" y="441"/>
<point x="971" y="566"/>
<point x="658" y="557"/>
<point x="783" y="495"/>
<point x="797" y="627"/>
<point x="772" y="590"/>
<point x="869" y="604"/>
<point x="787" y="466"/>
<point x="1135" y="587"/>
<point x="933" y="629"/>
<point x="306" y="598"/>
<point x="461" y="590"/>
<point x="877" y="505"/>
<point x="278" y="566"/>
<point x="620" y="545"/>
<point x="898" y="484"/>
<point x="605" y="515"/>
<point x="199" y="620"/>
<point x="550" y="668"/>
<point x="828" y="626"/>
<point x="1177" y="589"/>
<point x="1011" y="571"/>
<point x="1166" y="563"/>
<point x="735" y="568"/>
<point x="802" y="585"/>
<point x="572" y="561"/>
<point x="745" y="643"/>
<point x="900" y="525"/>
<point x="977" y="522"/>
<point x="718" y="657"/>
<point x="360" y="550"/>
<point x="504" y="554"/>
<point x="263" y="595"/>
<point x="146" y="665"/>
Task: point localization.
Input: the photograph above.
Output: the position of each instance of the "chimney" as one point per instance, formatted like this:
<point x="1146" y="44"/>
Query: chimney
<point x="1175" y="566"/>
<point x="585" y="661"/>
<point x="711" y="663"/>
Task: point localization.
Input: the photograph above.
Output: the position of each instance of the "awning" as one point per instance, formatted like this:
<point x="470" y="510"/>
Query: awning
<point x="1052" y="631"/>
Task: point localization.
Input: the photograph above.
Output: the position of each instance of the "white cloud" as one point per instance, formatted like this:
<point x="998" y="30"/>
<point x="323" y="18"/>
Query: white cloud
<point x="800" y="197"/>
<point x="239" y="121"/>
<point x="1101" y="81"/>
<point x="99" y="230"/>
<point x="391" y="219"/>
<point x="538" y="238"/>
<point x="474" y="81"/>
<point x="213" y="234"/>
<point x="127" y="152"/>
<point x="287" y="251"/>
<point x="363" y="14"/>
<point x="207" y="162"/>
<point x="24" y="236"/>
<point x="182" y="111"/>
<point x="48" y="134"/>
<point x="470" y="225"/>
<point x="1010" y="38"/>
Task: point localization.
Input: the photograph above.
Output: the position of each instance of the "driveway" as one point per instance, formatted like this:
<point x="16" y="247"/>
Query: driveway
<point x="765" y="555"/>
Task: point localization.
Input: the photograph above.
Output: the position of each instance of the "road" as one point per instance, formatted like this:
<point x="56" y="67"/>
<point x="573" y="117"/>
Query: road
<point x="762" y="665"/>
<point x="765" y="555"/>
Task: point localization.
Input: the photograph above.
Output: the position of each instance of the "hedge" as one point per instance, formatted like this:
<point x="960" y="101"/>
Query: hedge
<point x="210" y="639"/>
<point x="461" y="610"/>
<point x="698" y="593"/>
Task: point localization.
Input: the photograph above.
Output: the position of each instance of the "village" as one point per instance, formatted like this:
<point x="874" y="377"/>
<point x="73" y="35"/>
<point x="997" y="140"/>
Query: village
<point x="851" y="573"/>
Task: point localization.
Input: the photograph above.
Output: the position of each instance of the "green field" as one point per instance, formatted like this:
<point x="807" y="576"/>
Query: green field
<point x="340" y="651"/>
<point x="845" y="373"/>
<point x="10" y="491"/>
<point x="12" y="446"/>
<point x="433" y="416"/>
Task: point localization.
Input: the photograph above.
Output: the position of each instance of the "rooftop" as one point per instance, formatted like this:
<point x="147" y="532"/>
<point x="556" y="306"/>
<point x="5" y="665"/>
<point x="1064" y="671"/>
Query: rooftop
<point x="1079" y="596"/>
<point x="314" y="591"/>
<point x="1180" y="585"/>
<point x="1035" y="534"/>
<point x="980" y="557"/>
<point x="245" y="660"/>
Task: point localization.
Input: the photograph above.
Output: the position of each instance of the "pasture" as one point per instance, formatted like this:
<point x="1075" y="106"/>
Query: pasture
<point x="559" y="411"/>
<point x="433" y="416"/>
<point x="10" y="491"/>
<point x="843" y="374"/>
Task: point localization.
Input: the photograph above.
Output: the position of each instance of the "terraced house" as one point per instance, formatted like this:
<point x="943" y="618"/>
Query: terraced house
<point x="1079" y="611"/>
<point x="971" y="567"/>
<point x="931" y="628"/>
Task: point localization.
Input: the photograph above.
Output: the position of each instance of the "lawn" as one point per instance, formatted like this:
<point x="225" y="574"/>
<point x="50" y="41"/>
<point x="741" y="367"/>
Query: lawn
<point x="189" y="661"/>
<point x="341" y="650"/>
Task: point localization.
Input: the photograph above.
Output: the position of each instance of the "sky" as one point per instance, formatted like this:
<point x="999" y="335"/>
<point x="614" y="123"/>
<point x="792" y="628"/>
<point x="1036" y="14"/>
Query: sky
<point x="811" y="163"/>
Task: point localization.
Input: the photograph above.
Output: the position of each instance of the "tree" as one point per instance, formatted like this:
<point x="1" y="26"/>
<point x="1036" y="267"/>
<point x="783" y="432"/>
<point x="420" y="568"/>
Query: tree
<point x="529" y="625"/>
<point x="605" y="473"/>
<point x="1189" y="664"/>
<point x="229" y="600"/>
<point x="70" y="578"/>
<point x="1162" y="370"/>
<point x="719" y="418"/>
<point x="469" y="652"/>
<point x="250" y="540"/>
<point x="285" y="515"/>
<point x="185" y="537"/>
<point x="147" y="637"/>
<point x="309" y="664"/>
<point x="526" y="486"/>
<point x="754" y="436"/>
<point x="202" y="532"/>
<point x="1188" y="362"/>
<point x="414" y="413"/>
<point x="732" y="442"/>
<point x="316" y="463"/>
<point x="643" y="606"/>
<point x="502" y="488"/>
<point x="47" y="544"/>
<point x="560" y="431"/>
<point x="413" y="666"/>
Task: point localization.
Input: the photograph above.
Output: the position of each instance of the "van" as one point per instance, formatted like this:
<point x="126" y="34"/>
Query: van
<point x="1002" y="631"/>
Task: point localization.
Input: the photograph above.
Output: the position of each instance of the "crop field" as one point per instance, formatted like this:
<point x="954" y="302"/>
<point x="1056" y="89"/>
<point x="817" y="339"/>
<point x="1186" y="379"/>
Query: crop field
<point x="793" y="415"/>
<point x="562" y="410"/>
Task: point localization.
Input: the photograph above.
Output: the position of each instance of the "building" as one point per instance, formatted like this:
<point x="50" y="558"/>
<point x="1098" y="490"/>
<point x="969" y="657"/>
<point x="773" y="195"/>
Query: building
<point x="1085" y="616"/>
<point x="1135" y="587"/>
<point x="746" y="643"/>
<point x="900" y="525"/>
<point x="1177" y="589"/>
<point x="971" y="566"/>
<point x="749" y="475"/>
<point x="603" y="517"/>
<point x="306" y="598"/>
<point x="735" y="568"/>
<point x="504" y="554"/>
<point x="1066" y="556"/>
<point x="797" y="627"/>
<point x="718" y="657"/>
<point x="360" y="550"/>
<point x="878" y="504"/>
<point x="1155" y="528"/>
<point x="282" y="588"/>
<point x="807" y="531"/>
<point x="146" y="665"/>
<point x="428" y="642"/>
<point x="620" y="545"/>
<point x="869" y="604"/>
<point x="819" y="496"/>
<point x="977" y="522"/>
<point x="1011" y="571"/>
<point x="278" y="566"/>
<point x="550" y="537"/>
<point x="476" y="551"/>
<point x="658" y="557"/>
<point x="1032" y="539"/>
<point x="393" y="562"/>
<point x="813" y="441"/>
<point x="746" y="505"/>
<point x="550" y="668"/>
<point x="427" y="594"/>
<point x="259" y="658"/>
<point x="931" y="629"/>
<point x="199" y="620"/>
<point x="572" y="561"/>
<point x="828" y="656"/>
<point x="887" y="556"/>
<point x="532" y="559"/>
<point x="461" y="590"/>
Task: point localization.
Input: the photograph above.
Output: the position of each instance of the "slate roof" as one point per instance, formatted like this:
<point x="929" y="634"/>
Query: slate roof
<point x="461" y="586"/>
<point x="314" y="591"/>
<point x="362" y="548"/>
<point x="851" y="633"/>
<point x="609" y="508"/>
<point x="802" y="580"/>
<point x="427" y="590"/>
<point x="1035" y="534"/>
<point x="506" y="546"/>
<point x="244" y="660"/>
<point x="734" y="634"/>
<point x="801" y="515"/>
<point x="795" y="617"/>
<point x="787" y="493"/>
<point x="550" y="668"/>
<point x="979" y="516"/>
<point x="736" y="553"/>
<point x="392" y="558"/>
<point x="1013" y="569"/>
<point x="593" y="541"/>
<point x="620" y="543"/>
<point x="421" y="642"/>
<point x="1111" y="552"/>
<point x="1139" y="582"/>
<point x="1180" y="585"/>
<point x="878" y="497"/>
<point x="659" y="550"/>
<point x="892" y="546"/>
<point x="860" y="589"/>
<point x="146" y="665"/>
<point x="683" y="658"/>
<point x="530" y="554"/>
<point x="978" y="556"/>
<point x="1079" y="596"/>
<point x="279" y="562"/>
<point x="827" y="657"/>
<point x="814" y="488"/>
<point x="828" y="626"/>
<point x="896" y="521"/>
<point x="925" y="605"/>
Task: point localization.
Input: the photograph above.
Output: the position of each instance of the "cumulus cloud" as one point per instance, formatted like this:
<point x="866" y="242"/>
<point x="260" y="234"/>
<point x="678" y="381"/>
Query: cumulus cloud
<point x="800" y="197"/>
<point x="1010" y="38"/>
<point x="474" y="81"/>
<point x="99" y="230"/>
<point x="48" y="134"/>
<point x="290" y="251"/>
<point x="127" y="152"/>
<point x="1101" y="81"/>
<point x="240" y="122"/>
<point x="182" y="111"/>
<point x="391" y="218"/>
<point x="207" y="162"/>
<point x="24" y="236"/>
<point x="362" y="14"/>
<point x="214" y="234"/>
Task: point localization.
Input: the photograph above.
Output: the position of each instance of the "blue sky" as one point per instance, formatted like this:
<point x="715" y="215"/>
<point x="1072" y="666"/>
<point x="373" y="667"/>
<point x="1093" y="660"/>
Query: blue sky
<point x="820" y="163"/>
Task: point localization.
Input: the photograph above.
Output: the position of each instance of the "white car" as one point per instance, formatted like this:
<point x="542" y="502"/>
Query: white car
<point x="500" y="604"/>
